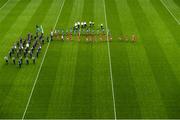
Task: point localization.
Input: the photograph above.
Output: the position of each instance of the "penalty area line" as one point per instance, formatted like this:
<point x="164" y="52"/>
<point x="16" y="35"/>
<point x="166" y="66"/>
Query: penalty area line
<point x="110" y="65"/>
<point x="37" y="76"/>
<point x="170" y="12"/>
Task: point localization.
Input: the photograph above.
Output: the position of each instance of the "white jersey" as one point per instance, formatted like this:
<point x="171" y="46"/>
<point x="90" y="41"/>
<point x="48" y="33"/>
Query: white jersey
<point x="27" y="45"/>
<point x="5" y="58"/>
<point x="51" y="33"/>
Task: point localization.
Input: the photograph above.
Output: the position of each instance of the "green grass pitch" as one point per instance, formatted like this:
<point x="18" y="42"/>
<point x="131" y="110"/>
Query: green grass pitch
<point x="101" y="80"/>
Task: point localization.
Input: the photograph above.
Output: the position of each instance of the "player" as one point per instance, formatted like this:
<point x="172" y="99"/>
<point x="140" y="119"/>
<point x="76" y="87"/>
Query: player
<point x="30" y="53"/>
<point x="67" y="34"/>
<point x="42" y="41"/>
<point x="82" y="24"/>
<point x="78" y="25"/>
<point x="79" y="35"/>
<point x="21" y="59"/>
<point x="14" y="60"/>
<point x="34" y="60"/>
<point x="90" y="23"/>
<point x="133" y="38"/>
<point x="37" y="54"/>
<point x="19" y="63"/>
<point x="62" y="37"/>
<point x="27" y="45"/>
<point x="39" y="48"/>
<point x="47" y="38"/>
<point x="70" y="35"/>
<point x="90" y="34"/>
<point x="6" y="59"/>
<point x="87" y="35"/>
<point x="85" y="24"/>
<point x="109" y="35"/>
<point x="17" y="53"/>
<point x="102" y="37"/>
<point x="55" y="34"/>
<point x="120" y="38"/>
<point x="10" y="53"/>
<point x="93" y="35"/>
<point x="51" y="35"/>
<point x="126" y="38"/>
<point x="27" y="61"/>
<point x="75" y="26"/>
<point x="102" y="27"/>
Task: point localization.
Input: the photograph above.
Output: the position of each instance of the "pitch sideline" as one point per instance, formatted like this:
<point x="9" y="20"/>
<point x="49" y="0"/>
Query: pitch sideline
<point x="110" y="65"/>
<point x="170" y="12"/>
<point x="32" y="90"/>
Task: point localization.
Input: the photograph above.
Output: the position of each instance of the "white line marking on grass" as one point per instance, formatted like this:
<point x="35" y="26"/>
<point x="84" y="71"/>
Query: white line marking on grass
<point x="32" y="90"/>
<point x="110" y="66"/>
<point x="170" y="12"/>
<point x="4" y="4"/>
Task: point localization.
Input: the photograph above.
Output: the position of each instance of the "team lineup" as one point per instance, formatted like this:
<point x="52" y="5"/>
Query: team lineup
<point x="28" y="49"/>
<point x="89" y="59"/>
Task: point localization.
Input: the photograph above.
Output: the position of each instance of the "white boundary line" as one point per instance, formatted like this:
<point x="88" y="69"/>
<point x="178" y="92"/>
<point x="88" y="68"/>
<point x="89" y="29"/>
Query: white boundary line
<point x="4" y="5"/>
<point x="110" y="66"/>
<point x="32" y="90"/>
<point x="170" y="12"/>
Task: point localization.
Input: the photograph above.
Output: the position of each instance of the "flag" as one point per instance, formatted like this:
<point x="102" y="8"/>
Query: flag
<point x="39" y="29"/>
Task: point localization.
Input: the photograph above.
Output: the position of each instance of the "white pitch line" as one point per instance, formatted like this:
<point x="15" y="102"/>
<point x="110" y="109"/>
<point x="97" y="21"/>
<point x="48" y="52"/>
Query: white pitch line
<point x="170" y="12"/>
<point x="4" y="5"/>
<point x="32" y="90"/>
<point x="110" y="66"/>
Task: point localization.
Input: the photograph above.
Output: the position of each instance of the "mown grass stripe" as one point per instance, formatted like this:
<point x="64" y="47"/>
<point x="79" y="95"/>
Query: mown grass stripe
<point x="165" y="38"/>
<point x="30" y="68"/>
<point x="41" y="114"/>
<point x="125" y="94"/>
<point x="9" y="20"/>
<point x="102" y="91"/>
<point x="165" y="78"/>
<point x="172" y="14"/>
<point x="110" y="64"/>
<point x="41" y="86"/>
<point x="83" y="85"/>
<point x="60" y="106"/>
<point x="177" y="2"/>
<point x="14" y="109"/>
<point x="4" y="12"/>
<point x="82" y="95"/>
<point x="66" y="13"/>
<point x="148" y="94"/>
<point x="41" y="12"/>
<point x="4" y="108"/>
<point x="167" y="19"/>
<point x="3" y="3"/>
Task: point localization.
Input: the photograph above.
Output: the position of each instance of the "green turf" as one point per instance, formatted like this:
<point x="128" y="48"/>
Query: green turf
<point x="75" y="78"/>
<point x="177" y="2"/>
<point x="2" y="3"/>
